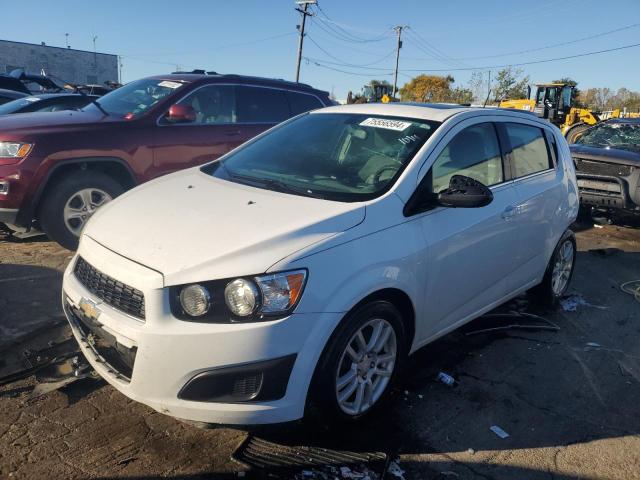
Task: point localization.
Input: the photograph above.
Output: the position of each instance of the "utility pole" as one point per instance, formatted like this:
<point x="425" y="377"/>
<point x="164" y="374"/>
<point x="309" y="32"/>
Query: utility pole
<point x="398" y="30"/>
<point x="95" y="56"/>
<point x="305" y="5"/>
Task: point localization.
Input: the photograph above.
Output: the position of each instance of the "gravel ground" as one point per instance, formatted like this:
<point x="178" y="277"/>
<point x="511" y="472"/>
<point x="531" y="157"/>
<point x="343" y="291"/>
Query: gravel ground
<point x="567" y="399"/>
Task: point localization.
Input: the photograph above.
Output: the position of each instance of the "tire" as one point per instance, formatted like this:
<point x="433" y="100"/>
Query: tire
<point x="331" y="367"/>
<point x="548" y="292"/>
<point x="71" y="191"/>
<point x="576" y="132"/>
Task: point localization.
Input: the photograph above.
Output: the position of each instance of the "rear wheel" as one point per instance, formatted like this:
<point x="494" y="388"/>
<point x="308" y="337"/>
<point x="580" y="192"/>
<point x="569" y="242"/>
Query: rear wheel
<point x="359" y="366"/>
<point x="70" y="202"/>
<point x="576" y="132"/>
<point x="559" y="271"/>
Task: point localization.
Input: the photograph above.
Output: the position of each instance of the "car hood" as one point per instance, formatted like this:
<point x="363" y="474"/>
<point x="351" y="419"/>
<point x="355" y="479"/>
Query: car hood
<point x="50" y="120"/>
<point x="192" y="227"/>
<point x="611" y="155"/>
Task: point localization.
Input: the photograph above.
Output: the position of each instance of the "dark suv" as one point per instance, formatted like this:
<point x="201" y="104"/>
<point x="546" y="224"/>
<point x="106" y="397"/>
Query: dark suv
<point x="607" y="158"/>
<point x="57" y="168"/>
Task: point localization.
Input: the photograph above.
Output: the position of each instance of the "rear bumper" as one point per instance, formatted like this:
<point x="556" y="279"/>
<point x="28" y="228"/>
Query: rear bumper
<point x="609" y="192"/>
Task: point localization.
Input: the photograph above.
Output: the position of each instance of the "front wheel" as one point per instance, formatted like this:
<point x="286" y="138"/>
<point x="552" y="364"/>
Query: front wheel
<point x="559" y="271"/>
<point x="359" y="366"/>
<point x="69" y="203"/>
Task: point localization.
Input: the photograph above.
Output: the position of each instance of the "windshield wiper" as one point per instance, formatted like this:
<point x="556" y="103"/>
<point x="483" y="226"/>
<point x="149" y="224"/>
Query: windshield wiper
<point x="276" y="185"/>
<point x="95" y="102"/>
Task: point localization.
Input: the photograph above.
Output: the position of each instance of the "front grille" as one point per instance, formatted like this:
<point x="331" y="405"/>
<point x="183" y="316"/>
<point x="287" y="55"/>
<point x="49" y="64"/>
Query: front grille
<point x="602" y="168"/>
<point x="114" y="293"/>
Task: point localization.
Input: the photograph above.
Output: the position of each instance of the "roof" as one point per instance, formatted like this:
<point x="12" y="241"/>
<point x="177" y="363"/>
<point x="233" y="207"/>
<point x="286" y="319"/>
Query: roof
<point x="624" y="120"/>
<point x="438" y="112"/>
<point x="213" y="78"/>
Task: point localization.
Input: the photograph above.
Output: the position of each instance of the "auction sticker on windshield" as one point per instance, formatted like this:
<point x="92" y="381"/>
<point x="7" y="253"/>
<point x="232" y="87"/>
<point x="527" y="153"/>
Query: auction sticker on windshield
<point x="169" y="84"/>
<point x="387" y="123"/>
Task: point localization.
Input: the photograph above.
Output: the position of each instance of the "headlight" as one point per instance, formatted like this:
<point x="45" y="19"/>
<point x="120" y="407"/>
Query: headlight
<point x="281" y="291"/>
<point x="14" y="149"/>
<point x="246" y="299"/>
<point x="242" y="297"/>
<point x="195" y="300"/>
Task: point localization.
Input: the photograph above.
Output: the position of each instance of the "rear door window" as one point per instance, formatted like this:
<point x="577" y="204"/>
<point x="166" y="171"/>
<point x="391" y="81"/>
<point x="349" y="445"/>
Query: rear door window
<point x="302" y="102"/>
<point x="529" y="153"/>
<point x="474" y="152"/>
<point x="261" y="105"/>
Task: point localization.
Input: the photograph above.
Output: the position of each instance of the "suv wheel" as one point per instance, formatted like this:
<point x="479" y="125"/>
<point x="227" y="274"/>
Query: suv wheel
<point x="559" y="271"/>
<point x="70" y="202"/>
<point x="359" y="366"/>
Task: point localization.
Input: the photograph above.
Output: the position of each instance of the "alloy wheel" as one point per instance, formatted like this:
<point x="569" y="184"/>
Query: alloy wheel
<point x="81" y="206"/>
<point x="366" y="366"/>
<point x="562" y="268"/>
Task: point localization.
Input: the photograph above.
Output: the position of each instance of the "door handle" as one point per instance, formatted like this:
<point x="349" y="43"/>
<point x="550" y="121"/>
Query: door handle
<point x="232" y="133"/>
<point x="509" y="212"/>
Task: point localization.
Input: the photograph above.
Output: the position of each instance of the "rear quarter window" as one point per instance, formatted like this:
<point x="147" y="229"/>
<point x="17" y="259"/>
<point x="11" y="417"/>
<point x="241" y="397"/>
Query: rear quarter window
<point x="529" y="153"/>
<point x="261" y="105"/>
<point x="302" y="102"/>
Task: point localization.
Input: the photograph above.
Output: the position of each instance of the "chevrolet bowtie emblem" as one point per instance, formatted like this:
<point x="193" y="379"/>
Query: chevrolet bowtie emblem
<point x="89" y="309"/>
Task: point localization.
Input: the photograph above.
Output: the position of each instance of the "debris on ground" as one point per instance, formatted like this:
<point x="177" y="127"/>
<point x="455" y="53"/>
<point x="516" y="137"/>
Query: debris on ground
<point x="471" y="451"/>
<point x="632" y="288"/>
<point x="593" y="344"/>
<point x="514" y="320"/>
<point x="306" y="462"/>
<point x="395" y="470"/>
<point x="572" y="302"/>
<point x="498" y="431"/>
<point x="34" y="360"/>
<point x="61" y="374"/>
<point x="445" y="378"/>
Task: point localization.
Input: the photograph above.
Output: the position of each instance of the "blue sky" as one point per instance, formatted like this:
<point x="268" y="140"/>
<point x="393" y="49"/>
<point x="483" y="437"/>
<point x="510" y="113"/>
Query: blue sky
<point x="259" y="37"/>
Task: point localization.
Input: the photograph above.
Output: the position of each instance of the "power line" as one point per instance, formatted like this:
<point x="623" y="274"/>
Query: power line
<point x="436" y="53"/>
<point x="546" y="47"/>
<point x="487" y="67"/>
<point x="520" y="64"/>
<point x="345" y="63"/>
<point x="218" y="47"/>
<point x="318" y="64"/>
<point x="338" y="27"/>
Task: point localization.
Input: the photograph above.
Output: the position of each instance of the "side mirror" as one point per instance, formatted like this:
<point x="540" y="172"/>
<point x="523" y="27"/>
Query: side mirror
<point x="465" y="192"/>
<point x="181" y="114"/>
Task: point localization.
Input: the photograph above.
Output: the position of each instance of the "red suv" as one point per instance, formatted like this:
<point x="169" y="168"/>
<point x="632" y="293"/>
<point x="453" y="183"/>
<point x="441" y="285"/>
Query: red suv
<point x="57" y="168"/>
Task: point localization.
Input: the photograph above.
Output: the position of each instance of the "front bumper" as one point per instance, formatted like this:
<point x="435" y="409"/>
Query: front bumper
<point x="603" y="191"/>
<point x="168" y="353"/>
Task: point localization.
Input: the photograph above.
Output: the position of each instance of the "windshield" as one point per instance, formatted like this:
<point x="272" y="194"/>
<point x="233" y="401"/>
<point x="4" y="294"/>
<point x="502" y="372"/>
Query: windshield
<point x="623" y="136"/>
<point x="344" y="157"/>
<point x="136" y="97"/>
<point x="16" y="105"/>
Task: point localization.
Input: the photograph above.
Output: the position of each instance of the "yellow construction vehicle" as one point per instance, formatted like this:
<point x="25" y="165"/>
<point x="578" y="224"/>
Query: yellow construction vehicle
<point x="553" y="102"/>
<point x="373" y="92"/>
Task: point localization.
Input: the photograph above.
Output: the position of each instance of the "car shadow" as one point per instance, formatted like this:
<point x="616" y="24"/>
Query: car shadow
<point x="545" y="388"/>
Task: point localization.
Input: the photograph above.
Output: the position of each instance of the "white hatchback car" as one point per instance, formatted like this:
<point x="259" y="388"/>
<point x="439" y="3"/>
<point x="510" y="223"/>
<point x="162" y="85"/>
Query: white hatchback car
<point x="307" y="264"/>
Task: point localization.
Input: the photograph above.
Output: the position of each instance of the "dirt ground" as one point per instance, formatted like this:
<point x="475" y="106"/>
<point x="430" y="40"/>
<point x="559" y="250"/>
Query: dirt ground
<point x="568" y="399"/>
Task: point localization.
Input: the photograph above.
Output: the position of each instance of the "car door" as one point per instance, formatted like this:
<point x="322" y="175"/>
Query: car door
<point x="470" y="252"/>
<point x="213" y="132"/>
<point x="539" y="190"/>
